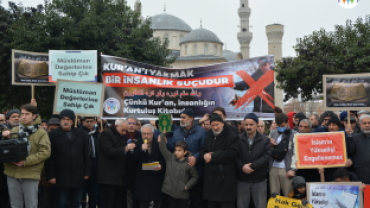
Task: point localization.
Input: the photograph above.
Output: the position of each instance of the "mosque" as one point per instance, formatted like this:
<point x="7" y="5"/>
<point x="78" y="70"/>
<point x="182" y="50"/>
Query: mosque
<point x="199" y="47"/>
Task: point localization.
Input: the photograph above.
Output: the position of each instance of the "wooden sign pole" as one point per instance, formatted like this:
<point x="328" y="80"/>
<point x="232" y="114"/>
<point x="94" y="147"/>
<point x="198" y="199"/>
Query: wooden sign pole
<point x="322" y="177"/>
<point x="33" y="91"/>
<point x="348" y="118"/>
<point x="76" y="121"/>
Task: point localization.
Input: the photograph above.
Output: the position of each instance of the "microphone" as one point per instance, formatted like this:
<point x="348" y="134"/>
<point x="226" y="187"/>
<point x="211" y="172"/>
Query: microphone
<point x="129" y="142"/>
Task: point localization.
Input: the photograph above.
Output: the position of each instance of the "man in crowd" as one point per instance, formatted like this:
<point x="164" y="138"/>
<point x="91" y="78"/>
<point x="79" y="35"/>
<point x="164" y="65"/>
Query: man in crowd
<point x="47" y="193"/>
<point x="310" y="175"/>
<point x="4" y="197"/>
<point x="261" y="127"/>
<point x="207" y="125"/>
<point x="220" y="111"/>
<point x="2" y="119"/>
<point x="138" y="125"/>
<point x="282" y="139"/>
<point x="362" y="112"/>
<point x="240" y="126"/>
<point x="23" y="176"/>
<point x="69" y="164"/>
<point x="352" y="124"/>
<point x="53" y="123"/>
<point x="91" y="188"/>
<point x="148" y="184"/>
<point x="44" y="124"/>
<point x="112" y="149"/>
<point x="297" y="118"/>
<point x="13" y="117"/>
<point x="252" y="164"/>
<point x="193" y="135"/>
<point x="133" y="136"/>
<point x="314" y="119"/>
<point x="219" y="153"/>
<point x="324" y="119"/>
<point x="361" y="158"/>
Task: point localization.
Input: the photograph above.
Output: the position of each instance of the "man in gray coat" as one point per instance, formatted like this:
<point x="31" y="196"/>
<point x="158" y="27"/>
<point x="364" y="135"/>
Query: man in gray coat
<point x="282" y="140"/>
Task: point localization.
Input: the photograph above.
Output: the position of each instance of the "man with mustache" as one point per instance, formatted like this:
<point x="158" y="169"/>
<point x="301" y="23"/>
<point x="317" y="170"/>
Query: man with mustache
<point x="361" y="158"/>
<point x="219" y="153"/>
<point x="69" y="164"/>
<point x="252" y="164"/>
<point x="193" y="135"/>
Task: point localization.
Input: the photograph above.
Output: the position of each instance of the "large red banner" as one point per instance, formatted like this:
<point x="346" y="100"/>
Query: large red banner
<point x="320" y="150"/>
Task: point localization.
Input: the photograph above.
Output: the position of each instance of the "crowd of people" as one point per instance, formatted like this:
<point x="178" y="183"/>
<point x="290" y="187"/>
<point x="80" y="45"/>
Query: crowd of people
<point x="211" y="162"/>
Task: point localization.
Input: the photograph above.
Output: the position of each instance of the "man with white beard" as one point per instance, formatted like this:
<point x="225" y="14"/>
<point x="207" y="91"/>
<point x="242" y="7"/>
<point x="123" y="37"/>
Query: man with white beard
<point x="219" y="154"/>
<point x="193" y="135"/>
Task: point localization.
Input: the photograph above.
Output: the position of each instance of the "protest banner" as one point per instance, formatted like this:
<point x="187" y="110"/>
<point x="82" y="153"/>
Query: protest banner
<point x="367" y="196"/>
<point x="165" y="122"/>
<point x="146" y="90"/>
<point x="345" y="91"/>
<point x="84" y="98"/>
<point x="335" y="194"/>
<point x="320" y="150"/>
<point x="285" y="202"/>
<point x="30" y="68"/>
<point x="73" y="65"/>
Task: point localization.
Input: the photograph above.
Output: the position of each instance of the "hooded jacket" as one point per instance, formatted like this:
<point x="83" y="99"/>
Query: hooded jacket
<point x="288" y="134"/>
<point x="291" y="118"/>
<point x="34" y="162"/>
<point x="179" y="174"/>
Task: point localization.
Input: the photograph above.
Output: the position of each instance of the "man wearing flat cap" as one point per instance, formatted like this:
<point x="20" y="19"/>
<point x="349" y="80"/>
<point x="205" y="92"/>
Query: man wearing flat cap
<point x="219" y="154"/>
<point x="259" y="104"/>
<point x="69" y="164"/>
<point x="252" y="164"/>
<point x="193" y="135"/>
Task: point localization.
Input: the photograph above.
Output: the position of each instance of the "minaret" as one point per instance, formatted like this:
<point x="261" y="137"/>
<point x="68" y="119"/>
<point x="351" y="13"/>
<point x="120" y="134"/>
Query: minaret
<point x="137" y="8"/>
<point x="244" y="36"/>
<point x="275" y="34"/>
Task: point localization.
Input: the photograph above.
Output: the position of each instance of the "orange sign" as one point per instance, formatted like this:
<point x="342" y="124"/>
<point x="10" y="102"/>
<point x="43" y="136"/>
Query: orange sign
<point x="320" y="150"/>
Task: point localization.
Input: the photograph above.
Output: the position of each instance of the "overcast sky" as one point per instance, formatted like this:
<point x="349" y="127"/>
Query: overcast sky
<point x="300" y="17"/>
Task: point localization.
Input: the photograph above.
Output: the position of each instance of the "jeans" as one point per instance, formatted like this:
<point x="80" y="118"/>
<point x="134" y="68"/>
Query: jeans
<point x="71" y="195"/>
<point x="23" y="192"/>
<point x="91" y="188"/>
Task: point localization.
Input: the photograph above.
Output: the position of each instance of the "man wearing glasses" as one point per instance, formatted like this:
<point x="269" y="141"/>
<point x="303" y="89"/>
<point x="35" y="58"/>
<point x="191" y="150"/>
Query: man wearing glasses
<point x="91" y="188"/>
<point x="132" y="136"/>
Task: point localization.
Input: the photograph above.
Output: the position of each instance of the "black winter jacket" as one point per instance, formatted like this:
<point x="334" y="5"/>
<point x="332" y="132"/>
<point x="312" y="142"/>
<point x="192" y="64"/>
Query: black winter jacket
<point x="259" y="155"/>
<point x="220" y="174"/>
<point x="69" y="161"/>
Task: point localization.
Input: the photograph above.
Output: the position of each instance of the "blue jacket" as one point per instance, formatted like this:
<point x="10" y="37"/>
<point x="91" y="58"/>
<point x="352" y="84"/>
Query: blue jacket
<point x="195" y="139"/>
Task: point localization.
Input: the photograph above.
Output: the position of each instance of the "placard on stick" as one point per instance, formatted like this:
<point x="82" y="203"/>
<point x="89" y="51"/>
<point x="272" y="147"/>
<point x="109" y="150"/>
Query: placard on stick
<point x="84" y="98"/>
<point x="30" y="68"/>
<point x="346" y="91"/>
<point x="165" y="122"/>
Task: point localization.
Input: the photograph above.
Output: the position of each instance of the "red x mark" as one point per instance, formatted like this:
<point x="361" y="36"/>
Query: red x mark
<point x="256" y="88"/>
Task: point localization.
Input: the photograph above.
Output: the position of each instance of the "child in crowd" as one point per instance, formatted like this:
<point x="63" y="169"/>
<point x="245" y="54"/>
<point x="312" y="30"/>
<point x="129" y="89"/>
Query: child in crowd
<point x="180" y="176"/>
<point x="299" y="185"/>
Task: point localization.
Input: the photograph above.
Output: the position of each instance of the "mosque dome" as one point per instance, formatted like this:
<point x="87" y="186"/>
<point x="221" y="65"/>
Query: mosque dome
<point x="169" y="22"/>
<point x="201" y="35"/>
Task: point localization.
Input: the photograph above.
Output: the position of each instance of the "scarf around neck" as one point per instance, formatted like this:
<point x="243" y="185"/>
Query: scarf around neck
<point x="25" y="133"/>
